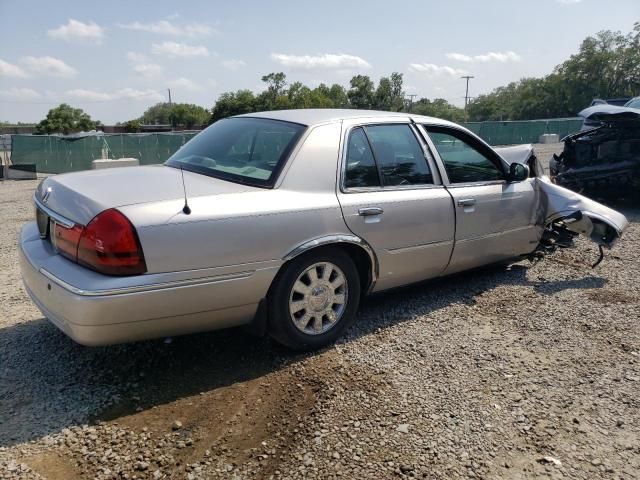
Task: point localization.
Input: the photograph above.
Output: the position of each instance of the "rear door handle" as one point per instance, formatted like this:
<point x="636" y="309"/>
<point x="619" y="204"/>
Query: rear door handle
<point x="369" y="211"/>
<point x="466" y="202"/>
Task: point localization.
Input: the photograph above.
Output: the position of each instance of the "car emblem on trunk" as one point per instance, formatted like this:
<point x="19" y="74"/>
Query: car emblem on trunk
<point x="47" y="192"/>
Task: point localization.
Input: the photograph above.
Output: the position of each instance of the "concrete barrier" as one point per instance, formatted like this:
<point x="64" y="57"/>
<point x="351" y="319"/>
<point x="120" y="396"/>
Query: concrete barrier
<point x="114" y="163"/>
<point x="12" y="173"/>
<point x="549" y="138"/>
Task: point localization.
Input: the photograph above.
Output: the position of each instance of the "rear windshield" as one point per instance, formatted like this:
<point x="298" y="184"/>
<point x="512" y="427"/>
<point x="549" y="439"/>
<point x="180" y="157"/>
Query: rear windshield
<point x="243" y="150"/>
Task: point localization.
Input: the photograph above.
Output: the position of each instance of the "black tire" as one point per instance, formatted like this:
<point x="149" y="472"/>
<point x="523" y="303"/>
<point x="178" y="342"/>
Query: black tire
<point x="281" y="324"/>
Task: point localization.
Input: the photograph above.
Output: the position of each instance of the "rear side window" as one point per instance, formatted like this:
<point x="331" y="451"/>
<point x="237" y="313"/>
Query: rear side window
<point x="361" y="170"/>
<point x="387" y="155"/>
<point x="399" y="155"/>
<point x="464" y="161"/>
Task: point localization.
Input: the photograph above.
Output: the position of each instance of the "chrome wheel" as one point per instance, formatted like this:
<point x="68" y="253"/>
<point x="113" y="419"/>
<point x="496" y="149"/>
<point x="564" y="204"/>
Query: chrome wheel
<point x="318" y="298"/>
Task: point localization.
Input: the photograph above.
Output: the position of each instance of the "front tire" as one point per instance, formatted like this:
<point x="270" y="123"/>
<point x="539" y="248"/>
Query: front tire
<point x="314" y="300"/>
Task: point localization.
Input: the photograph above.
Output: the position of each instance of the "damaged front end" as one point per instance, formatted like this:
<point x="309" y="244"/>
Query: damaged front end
<point x="565" y="214"/>
<point x="604" y="160"/>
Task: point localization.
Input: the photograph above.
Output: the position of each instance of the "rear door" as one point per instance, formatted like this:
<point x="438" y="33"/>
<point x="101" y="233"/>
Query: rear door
<point x="495" y="219"/>
<point x="393" y="198"/>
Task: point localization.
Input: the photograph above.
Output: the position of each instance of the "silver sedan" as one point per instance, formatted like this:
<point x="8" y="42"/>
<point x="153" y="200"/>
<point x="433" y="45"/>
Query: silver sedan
<point x="283" y="221"/>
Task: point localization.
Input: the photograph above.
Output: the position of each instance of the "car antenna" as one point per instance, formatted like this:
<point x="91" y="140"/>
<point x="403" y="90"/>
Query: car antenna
<point x="186" y="210"/>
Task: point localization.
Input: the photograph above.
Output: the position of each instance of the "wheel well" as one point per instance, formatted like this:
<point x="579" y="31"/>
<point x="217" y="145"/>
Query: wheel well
<point x="363" y="263"/>
<point x="358" y="254"/>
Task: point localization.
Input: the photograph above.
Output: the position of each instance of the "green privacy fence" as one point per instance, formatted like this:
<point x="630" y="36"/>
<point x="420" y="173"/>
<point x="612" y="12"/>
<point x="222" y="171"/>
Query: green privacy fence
<point x="54" y="154"/>
<point x="526" y="131"/>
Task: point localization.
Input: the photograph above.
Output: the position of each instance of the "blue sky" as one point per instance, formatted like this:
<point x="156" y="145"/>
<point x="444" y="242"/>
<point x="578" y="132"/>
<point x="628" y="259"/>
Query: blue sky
<point x="116" y="59"/>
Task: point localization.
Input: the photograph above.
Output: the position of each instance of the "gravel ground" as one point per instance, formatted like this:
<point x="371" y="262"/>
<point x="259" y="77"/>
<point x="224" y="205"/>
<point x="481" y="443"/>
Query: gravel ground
<point x="530" y="370"/>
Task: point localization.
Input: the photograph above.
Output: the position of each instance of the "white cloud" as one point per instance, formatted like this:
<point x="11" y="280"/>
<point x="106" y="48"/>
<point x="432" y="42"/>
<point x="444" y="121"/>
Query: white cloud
<point x="234" y="64"/>
<point x="322" y="61"/>
<point x="53" y="67"/>
<point x="568" y="2"/>
<point x="19" y="94"/>
<point x="10" y="70"/>
<point x="148" y="69"/>
<point x="174" y="49"/>
<point x="136" y="57"/>
<point x="501" y="57"/>
<point x="165" y="27"/>
<point x="431" y="70"/>
<point x="76" y="30"/>
<point x="185" y="84"/>
<point x="122" y="94"/>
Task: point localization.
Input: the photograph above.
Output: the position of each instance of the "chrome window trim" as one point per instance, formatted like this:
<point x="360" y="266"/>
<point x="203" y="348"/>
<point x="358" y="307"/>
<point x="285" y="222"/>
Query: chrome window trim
<point x="65" y="222"/>
<point x="478" y="184"/>
<point x="144" y="288"/>
<point x="435" y="173"/>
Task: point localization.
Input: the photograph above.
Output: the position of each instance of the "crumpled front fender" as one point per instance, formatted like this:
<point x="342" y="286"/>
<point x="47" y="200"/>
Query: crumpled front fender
<point x="603" y="225"/>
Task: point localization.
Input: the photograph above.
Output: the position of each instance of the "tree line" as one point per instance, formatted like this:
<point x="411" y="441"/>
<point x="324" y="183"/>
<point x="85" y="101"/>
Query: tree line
<point x="606" y="65"/>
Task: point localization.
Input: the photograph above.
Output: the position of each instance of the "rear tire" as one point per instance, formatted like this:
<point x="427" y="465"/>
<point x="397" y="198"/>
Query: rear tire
<point x="314" y="300"/>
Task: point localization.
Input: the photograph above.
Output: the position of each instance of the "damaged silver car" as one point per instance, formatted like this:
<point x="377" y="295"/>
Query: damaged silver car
<point x="604" y="158"/>
<point x="283" y="221"/>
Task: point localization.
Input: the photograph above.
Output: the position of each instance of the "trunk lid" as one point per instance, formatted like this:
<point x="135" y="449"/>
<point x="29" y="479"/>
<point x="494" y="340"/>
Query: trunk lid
<point x="81" y="196"/>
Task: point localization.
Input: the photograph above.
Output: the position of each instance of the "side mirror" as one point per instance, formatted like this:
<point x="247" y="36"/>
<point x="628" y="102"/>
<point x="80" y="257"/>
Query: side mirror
<point x="518" y="172"/>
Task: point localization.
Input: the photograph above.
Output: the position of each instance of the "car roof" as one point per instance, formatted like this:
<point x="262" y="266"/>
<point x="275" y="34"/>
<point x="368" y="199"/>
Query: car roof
<point x="314" y="116"/>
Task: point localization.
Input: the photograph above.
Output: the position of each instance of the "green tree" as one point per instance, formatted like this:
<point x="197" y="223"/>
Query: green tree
<point x="389" y="95"/>
<point x="177" y="114"/>
<point x="230" y="103"/>
<point x="299" y="96"/>
<point x="274" y="97"/>
<point x="66" y="119"/>
<point x="133" y="126"/>
<point x="361" y="93"/>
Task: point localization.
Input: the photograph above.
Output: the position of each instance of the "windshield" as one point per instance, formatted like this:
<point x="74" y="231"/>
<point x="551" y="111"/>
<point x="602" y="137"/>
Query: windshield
<point x="244" y="150"/>
<point x="634" y="103"/>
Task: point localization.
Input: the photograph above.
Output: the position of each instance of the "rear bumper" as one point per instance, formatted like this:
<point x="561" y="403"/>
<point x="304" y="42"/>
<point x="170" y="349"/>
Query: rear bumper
<point x="108" y="314"/>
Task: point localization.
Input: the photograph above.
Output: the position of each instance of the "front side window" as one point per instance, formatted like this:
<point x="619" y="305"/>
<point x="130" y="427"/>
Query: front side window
<point x="244" y="150"/>
<point x="464" y="162"/>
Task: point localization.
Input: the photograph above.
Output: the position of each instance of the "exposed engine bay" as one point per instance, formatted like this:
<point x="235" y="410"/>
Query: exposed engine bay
<point x="603" y="160"/>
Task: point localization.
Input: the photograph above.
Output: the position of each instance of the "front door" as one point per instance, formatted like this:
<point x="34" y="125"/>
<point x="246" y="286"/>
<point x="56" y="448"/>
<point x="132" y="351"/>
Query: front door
<point x="390" y="198"/>
<point x="495" y="219"/>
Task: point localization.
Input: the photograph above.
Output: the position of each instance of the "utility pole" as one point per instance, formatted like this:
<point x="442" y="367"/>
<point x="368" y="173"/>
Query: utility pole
<point x="466" y="95"/>
<point x="170" y="109"/>
<point x="411" y="97"/>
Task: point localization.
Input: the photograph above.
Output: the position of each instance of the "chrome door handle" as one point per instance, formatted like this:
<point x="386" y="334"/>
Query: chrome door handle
<point x="466" y="202"/>
<point x="369" y="211"/>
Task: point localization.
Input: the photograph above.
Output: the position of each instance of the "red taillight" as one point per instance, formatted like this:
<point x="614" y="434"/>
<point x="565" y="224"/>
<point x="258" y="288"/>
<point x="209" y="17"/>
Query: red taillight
<point x="66" y="240"/>
<point x="109" y="244"/>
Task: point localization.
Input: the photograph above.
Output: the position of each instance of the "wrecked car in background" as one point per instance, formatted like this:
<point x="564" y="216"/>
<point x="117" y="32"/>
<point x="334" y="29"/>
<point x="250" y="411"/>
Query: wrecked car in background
<point x="604" y="158"/>
<point x="283" y="220"/>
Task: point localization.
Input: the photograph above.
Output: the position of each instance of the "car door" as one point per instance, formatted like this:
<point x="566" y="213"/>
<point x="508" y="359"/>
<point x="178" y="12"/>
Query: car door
<point x="392" y="197"/>
<point x="495" y="219"/>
